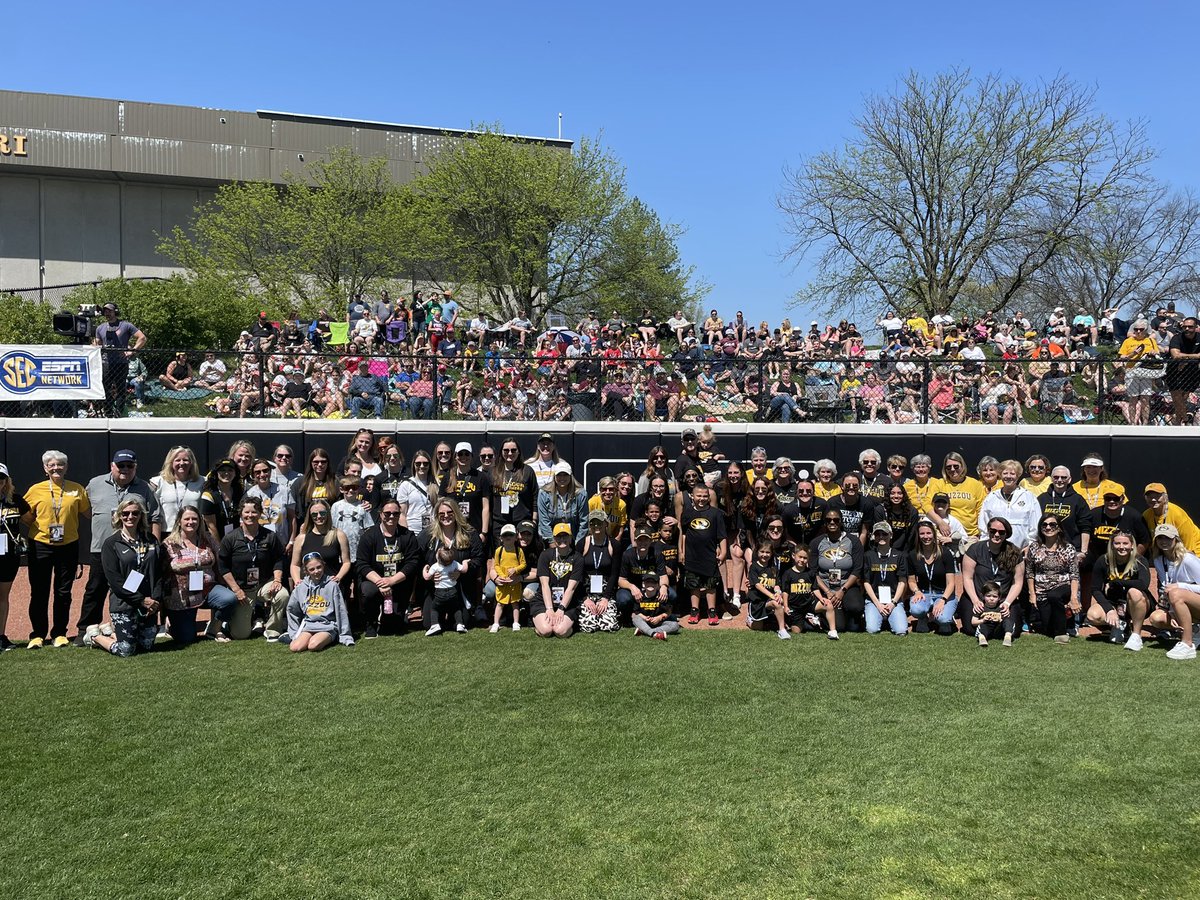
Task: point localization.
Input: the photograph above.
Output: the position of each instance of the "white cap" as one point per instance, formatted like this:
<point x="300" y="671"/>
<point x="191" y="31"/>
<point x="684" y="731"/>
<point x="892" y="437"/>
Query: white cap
<point x="1093" y="461"/>
<point x="561" y="468"/>
<point x="462" y="445"/>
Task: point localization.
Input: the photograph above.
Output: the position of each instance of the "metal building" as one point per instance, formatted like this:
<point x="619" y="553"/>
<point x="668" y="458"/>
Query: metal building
<point x="87" y="186"/>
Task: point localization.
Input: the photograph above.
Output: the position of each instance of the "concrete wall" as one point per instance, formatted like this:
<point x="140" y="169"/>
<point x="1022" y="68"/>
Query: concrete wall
<point x="68" y="230"/>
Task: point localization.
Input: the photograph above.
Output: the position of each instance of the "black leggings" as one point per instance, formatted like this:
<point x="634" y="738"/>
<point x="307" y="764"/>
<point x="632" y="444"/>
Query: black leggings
<point x="1053" y="609"/>
<point x="849" y="616"/>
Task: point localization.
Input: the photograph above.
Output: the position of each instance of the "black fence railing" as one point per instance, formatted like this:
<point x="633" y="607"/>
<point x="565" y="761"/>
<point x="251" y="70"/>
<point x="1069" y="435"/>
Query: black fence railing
<point x="516" y="386"/>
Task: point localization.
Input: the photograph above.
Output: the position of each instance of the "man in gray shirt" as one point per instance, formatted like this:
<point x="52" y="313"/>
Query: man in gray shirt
<point x="104" y="493"/>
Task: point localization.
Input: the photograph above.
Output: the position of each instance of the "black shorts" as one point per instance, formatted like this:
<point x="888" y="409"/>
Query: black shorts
<point x="758" y="611"/>
<point x="694" y="581"/>
<point x="10" y="564"/>
<point x="538" y="606"/>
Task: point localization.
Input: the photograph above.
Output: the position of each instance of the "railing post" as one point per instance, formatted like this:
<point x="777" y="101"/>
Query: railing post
<point x="600" y="389"/>
<point x="926" y="412"/>
<point x="262" y="383"/>
<point x="1101" y="406"/>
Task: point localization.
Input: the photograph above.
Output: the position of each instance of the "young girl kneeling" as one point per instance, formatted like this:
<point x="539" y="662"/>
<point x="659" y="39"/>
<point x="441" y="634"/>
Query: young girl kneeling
<point x="766" y="600"/>
<point x="316" y="611"/>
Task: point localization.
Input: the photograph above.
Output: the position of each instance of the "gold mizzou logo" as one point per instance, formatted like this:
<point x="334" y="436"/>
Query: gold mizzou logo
<point x="700" y="524"/>
<point x="561" y="568"/>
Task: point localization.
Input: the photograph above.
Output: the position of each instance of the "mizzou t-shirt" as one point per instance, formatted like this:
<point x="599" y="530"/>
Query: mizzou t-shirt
<point x="703" y="530"/>
<point x="798" y="588"/>
<point x="468" y="493"/>
<point x="561" y="571"/>
<point x="763" y="581"/>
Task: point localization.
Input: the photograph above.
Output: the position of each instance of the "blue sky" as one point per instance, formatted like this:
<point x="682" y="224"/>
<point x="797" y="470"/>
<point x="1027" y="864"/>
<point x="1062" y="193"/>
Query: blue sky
<point x="704" y="104"/>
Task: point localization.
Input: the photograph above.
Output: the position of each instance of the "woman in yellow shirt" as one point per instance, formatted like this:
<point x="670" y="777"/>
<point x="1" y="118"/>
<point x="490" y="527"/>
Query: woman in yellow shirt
<point x="612" y="506"/>
<point x="55" y="507"/>
<point x="1140" y="350"/>
<point x="825" y="487"/>
<point x="1037" y="481"/>
<point x="921" y="487"/>
<point x="966" y="493"/>
<point x="1095" y="482"/>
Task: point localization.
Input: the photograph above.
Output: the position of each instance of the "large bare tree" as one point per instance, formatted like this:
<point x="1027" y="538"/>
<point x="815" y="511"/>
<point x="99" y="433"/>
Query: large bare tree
<point x="952" y="184"/>
<point x="1145" y="248"/>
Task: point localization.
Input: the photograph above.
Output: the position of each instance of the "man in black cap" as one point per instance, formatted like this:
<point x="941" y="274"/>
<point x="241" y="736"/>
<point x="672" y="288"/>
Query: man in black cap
<point x="105" y="492"/>
<point x="120" y="340"/>
<point x="689" y="458"/>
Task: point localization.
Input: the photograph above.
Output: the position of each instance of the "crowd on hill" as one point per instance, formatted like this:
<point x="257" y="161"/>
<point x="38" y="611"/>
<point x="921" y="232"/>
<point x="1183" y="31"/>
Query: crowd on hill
<point x="460" y="537"/>
<point x="426" y="358"/>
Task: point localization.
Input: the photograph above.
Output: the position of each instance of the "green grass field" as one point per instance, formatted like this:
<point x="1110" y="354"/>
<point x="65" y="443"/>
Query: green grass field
<point x="728" y="764"/>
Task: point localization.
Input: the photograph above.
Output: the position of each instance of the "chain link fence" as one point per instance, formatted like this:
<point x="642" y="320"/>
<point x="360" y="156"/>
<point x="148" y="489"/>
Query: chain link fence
<point x="521" y="387"/>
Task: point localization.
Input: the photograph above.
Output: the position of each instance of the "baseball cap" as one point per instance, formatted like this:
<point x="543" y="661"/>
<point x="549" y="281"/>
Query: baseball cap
<point x="1117" y="494"/>
<point x="527" y="526"/>
<point x="1166" y="529"/>
<point x="883" y="527"/>
<point x="225" y="463"/>
<point x="461" y="446"/>
<point x="111" y="306"/>
<point x="124" y="456"/>
<point x="3" y="470"/>
<point x="941" y="497"/>
<point x="562" y="467"/>
<point x="642" y="531"/>
<point x="1155" y="487"/>
<point x="508" y="529"/>
<point x="546" y="436"/>
<point x="562" y="528"/>
<point x="597" y="515"/>
<point x="687" y="433"/>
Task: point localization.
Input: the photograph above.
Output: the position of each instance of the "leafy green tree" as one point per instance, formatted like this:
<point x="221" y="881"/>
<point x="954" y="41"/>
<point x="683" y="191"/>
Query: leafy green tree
<point x="641" y="268"/>
<point x="26" y="321"/>
<point x="953" y="181"/>
<point x="532" y="229"/>
<point x="178" y="312"/>
<point x="303" y="244"/>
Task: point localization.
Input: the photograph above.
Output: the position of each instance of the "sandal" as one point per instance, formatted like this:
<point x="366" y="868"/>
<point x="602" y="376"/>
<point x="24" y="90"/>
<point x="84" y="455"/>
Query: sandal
<point x="223" y="639"/>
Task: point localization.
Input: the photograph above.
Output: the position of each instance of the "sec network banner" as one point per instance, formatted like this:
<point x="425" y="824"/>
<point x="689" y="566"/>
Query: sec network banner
<point x="50" y="372"/>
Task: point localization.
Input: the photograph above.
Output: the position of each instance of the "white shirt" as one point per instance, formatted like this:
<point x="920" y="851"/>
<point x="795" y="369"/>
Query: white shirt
<point x="173" y="496"/>
<point x="1022" y="511"/>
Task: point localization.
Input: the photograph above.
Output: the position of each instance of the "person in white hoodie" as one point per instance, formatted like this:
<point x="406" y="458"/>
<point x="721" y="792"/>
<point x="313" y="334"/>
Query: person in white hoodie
<point x="1014" y="503"/>
<point x="316" y="611"/>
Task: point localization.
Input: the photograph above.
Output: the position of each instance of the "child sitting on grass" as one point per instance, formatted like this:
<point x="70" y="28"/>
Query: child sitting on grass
<point x="801" y="603"/>
<point x="506" y="570"/>
<point x="989" y="622"/>
<point x="766" y="600"/>
<point x="446" y="597"/>
<point x="653" y="615"/>
<point x="316" y="611"/>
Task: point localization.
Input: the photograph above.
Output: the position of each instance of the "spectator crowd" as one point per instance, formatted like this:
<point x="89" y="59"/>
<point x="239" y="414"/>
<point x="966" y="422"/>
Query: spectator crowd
<point x="427" y="358"/>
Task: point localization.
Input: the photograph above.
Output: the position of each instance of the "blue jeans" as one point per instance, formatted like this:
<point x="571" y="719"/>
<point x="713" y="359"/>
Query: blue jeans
<point x="357" y="403"/>
<point x="897" y="619"/>
<point x="785" y="405"/>
<point x="945" y="621"/>
<point x="183" y="621"/>
<point x="420" y="407"/>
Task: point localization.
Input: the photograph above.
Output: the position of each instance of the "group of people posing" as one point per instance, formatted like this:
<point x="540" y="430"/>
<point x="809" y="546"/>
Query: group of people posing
<point x="457" y="538"/>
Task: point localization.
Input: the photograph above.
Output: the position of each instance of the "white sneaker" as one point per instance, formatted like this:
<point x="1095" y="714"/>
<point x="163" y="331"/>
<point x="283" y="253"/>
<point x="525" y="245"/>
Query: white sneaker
<point x="1182" y="651"/>
<point x="436" y="629"/>
<point x="89" y="636"/>
<point x="106" y="629"/>
<point x="1134" y="643"/>
<point x="783" y="634"/>
<point x="495" y="628"/>
<point x="737" y="601"/>
<point x="833" y="635"/>
<point x="516" y="626"/>
<point x="461" y="629"/>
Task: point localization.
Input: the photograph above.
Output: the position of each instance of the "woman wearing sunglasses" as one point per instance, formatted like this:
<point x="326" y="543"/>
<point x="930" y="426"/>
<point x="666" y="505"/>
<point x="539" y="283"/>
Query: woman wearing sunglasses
<point x="837" y="557"/>
<point x="1052" y="572"/>
<point x="130" y="560"/>
<point x="387" y="562"/>
<point x="995" y="560"/>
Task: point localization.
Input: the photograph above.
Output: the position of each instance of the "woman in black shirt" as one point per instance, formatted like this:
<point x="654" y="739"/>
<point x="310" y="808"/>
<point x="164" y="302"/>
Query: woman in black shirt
<point x="598" y="576"/>
<point x="933" y="581"/>
<point x="993" y="560"/>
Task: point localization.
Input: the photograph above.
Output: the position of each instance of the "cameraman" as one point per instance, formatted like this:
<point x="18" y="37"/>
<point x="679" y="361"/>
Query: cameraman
<point x="120" y="340"/>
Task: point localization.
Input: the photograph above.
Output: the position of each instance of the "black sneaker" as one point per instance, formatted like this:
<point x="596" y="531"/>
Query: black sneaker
<point x="1118" y="633"/>
<point x="371" y="632"/>
<point x="6" y="644"/>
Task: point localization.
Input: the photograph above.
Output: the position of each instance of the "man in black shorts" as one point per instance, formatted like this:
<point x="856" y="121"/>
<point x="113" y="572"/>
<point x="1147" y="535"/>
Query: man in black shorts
<point x="1183" y="367"/>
